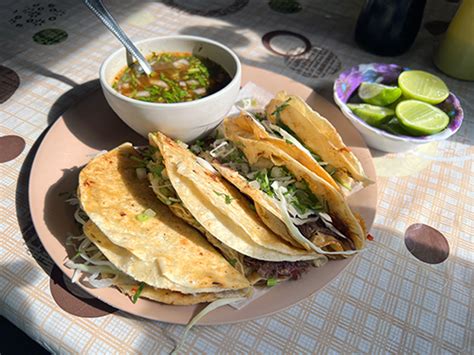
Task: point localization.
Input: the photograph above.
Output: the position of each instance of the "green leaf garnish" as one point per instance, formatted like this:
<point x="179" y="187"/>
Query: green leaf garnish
<point x="233" y="262"/>
<point x="262" y="178"/>
<point x="227" y="198"/>
<point x="280" y="108"/>
<point x="138" y="292"/>
<point x="272" y="282"/>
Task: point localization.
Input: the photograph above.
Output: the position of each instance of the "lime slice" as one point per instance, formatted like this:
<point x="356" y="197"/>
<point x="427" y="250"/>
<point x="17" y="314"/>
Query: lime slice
<point x="394" y="127"/>
<point x="420" y="118"/>
<point x="378" y="94"/>
<point x="373" y="115"/>
<point x="420" y="85"/>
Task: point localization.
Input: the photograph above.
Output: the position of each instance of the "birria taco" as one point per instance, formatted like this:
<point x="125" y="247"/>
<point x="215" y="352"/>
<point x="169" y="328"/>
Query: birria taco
<point x="132" y="241"/>
<point x="292" y="199"/>
<point x="291" y="118"/>
<point x="195" y="192"/>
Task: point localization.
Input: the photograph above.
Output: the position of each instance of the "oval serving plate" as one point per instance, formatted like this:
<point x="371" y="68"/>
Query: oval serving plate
<point x="91" y="126"/>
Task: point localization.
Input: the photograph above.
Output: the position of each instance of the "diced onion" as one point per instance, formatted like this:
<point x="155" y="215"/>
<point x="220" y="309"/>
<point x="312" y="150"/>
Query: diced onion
<point x="200" y="91"/>
<point x="182" y="144"/>
<point x="192" y="82"/>
<point x="159" y="83"/>
<point x="141" y="173"/>
<point x="180" y="63"/>
<point x="142" y="93"/>
<point x="206" y="165"/>
<point x="149" y="212"/>
<point x="254" y="184"/>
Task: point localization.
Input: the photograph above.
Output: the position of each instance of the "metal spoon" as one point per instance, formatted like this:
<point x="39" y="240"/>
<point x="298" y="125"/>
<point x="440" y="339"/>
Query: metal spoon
<point x="98" y="8"/>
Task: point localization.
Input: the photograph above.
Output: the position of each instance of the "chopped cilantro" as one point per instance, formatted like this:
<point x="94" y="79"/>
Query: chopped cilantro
<point x="272" y="282"/>
<point x="233" y="262"/>
<point x="262" y="178"/>
<point x="280" y="108"/>
<point x="227" y="198"/>
<point x="260" y="116"/>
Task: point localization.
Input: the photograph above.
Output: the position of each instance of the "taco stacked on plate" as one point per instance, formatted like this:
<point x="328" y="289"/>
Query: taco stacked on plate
<point x="260" y="203"/>
<point x="133" y="241"/>
<point x="293" y="195"/>
<point x="196" y="193"/>
<point x="294" y="121"/>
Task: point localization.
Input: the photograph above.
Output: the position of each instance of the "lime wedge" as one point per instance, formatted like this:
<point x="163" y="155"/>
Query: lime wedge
<point x="378" y="94"/>
<point x="394" y="127"/>
<point x="420" y="85"/>
<point x="373" y="115"/>
<point x="420" y="118"/>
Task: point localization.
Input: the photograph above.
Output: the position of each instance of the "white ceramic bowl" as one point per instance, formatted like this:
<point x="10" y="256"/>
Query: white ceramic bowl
<point x="185" y="121"/>
<point x="348" y="82"/>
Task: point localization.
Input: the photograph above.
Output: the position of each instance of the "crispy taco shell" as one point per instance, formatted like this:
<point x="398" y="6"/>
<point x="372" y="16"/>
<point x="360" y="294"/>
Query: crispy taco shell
<point x="220" y="208"/>
<point x="317" y="133"/>
<point x="142" y="271"/>
<point x="177" y="257"/>
<point x="240" y="130"/>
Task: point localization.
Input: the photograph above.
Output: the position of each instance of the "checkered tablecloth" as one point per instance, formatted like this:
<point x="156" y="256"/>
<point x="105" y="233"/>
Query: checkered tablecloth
<point x="385" y="301"/>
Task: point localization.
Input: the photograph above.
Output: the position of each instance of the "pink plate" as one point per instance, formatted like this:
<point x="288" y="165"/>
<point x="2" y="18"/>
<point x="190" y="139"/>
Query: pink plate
<point x="91" y="126"/>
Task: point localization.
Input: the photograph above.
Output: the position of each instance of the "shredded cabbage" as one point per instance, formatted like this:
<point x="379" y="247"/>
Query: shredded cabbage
<point x="206" y="165"/>
<point x="209" y="308"/>
<point x="287" y="219"/>
<point x="214" y="151"/>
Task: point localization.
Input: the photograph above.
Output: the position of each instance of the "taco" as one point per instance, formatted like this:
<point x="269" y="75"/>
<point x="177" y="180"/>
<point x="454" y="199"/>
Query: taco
<point x="291" y="118"/>
<point x="293" y="200"/>
<point x="195" y="192"/>
<point x="133" y="241"/>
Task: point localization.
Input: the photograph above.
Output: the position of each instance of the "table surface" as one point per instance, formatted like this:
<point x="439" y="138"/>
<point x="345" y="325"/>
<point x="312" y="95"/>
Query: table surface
<point x="385" y="301"/>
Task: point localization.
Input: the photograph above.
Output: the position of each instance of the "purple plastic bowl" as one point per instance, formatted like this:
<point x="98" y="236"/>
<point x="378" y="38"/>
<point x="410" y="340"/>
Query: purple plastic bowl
<point x="348" y="82"/>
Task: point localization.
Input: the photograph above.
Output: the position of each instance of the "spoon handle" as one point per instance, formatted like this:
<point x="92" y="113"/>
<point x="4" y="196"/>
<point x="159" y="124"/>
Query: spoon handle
<point x="98" y="8"/>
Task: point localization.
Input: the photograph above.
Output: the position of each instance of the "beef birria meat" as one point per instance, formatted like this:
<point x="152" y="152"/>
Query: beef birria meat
<point x="281" y="269"/>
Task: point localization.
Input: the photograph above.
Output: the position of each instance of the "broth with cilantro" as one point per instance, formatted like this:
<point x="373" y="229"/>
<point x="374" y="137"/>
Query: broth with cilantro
<point x="176" y="77"/>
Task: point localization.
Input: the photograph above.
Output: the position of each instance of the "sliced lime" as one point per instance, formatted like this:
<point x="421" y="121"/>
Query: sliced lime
<point x="378" y="94"/>
<point x="373" y="115"/>
<point x="420" y="85"/>
<point x="394" y="127"/>
<point x="420" y="118"/>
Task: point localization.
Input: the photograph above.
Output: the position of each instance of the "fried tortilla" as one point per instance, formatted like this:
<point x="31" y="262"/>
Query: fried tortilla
<point x="259" y="152"/>
<point x="317" y="134"/>
<point x="197" y="193"/>
<point x="220" y="208"/>
<point x="145" y="272"/>
<point x="161" y="251"/>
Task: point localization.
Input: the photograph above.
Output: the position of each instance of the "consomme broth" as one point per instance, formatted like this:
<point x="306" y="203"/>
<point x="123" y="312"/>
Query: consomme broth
<point x="176" y="77"/>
